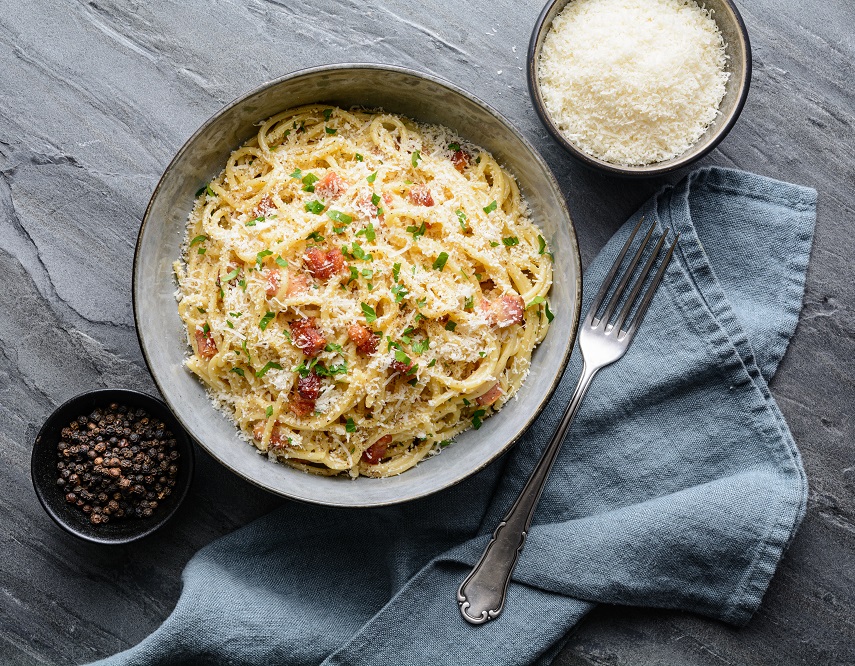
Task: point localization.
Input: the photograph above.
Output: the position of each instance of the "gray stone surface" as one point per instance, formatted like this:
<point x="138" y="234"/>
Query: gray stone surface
<point x="95" y="97"/>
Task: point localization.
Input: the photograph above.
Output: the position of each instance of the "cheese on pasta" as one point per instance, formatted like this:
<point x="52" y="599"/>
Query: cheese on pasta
<point x="358" y="289"/>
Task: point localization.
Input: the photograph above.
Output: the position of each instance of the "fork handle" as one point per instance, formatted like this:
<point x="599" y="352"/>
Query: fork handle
<point x="481" y="596"/>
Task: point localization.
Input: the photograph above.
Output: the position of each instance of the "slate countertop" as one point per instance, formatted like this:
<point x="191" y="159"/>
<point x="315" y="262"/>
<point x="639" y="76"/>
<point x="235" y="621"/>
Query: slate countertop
<point x="96" y="97"/>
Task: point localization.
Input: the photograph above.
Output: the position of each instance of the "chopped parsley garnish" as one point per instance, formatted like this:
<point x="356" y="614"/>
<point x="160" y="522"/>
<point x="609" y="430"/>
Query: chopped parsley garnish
<point x="297" y="174"/>
<point x="494" y="244"/>
<point x="549" y="315"/>
<point x="315" y="236"/>
<point x="417" y="156"/>
<point x="482" y="354"/>
<point x="541" y="244"/>
<point x="210" y="191"/>
<point x="245" y="351"/>
<point x="372" y="178"/>
<point x="405" y="336"/>
<point x="413" y="381"/>
<point x="235" y="314"/>
<point x="466" y="402"/>
<point x="251" y="223"/>
<point x="198" y="239"/>
<point x="309" y="181"/>
<point x="229" y="323"/>
<point x="350" y="426"/>
<point x="358" y="157"/>
<point x="201" y="190"/>
<point x="259" y="258"/>
<point x="468" y="303"/>
<point x="450" y="325"/>
<point x="396" y="270"/>
<point x="476" y="418"/>
<point x="439" y="263"/>
<point x="444" y="443"/>
<point x="238" y="371"/>
<point x="338" y="216"/>
<point x="401" y="357"/>
<point x="242" y="284"/>
<point x="270" y="365"/>
<point x="357" y="252"/>
<point x="510" y="241"/>
<point x="454" y="146"/>
<point x="432" y="363"/>
<point x="206" y="329"/>
<point x="201" y="250"/>
<point x="323" y="371"/>
<point x="368" y="232"/>
<point x="421" y="346"/>
<point x="368" y="311"/>
<point x="228" y="277"/>
<point x="269" y="411"/>
<point x="417" y="231"/>
<point x="421" y="302"/>
<point x="400" y="292"/>
<point x="490" y="207"/>
<point x="461" y="216"/>
<point x="537" y="300"/>
<point x="330" y="130"/>
<point x="282" y="262"/>
<point x="354" y="274"/>
<point x="332" y="347"/>
<point x="315" y="207"/>
<point x="201" y="310"/>
<point x="327" y="114"/>
<point x="367" y="273"/>
<point x="266" y="319"/>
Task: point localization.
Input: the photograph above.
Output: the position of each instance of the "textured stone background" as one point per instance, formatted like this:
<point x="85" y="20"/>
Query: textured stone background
<point x="95" y="97"/>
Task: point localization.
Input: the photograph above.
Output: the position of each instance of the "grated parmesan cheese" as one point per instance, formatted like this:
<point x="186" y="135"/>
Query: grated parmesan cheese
<point x="633" y="82"/>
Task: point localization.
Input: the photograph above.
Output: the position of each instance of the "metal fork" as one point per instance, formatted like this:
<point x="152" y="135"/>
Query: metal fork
<point x="481" y="596"/>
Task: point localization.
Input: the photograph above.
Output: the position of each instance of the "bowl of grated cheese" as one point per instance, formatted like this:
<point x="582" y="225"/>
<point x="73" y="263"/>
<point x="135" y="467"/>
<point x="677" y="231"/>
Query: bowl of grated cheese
<point x="639" y="88"/>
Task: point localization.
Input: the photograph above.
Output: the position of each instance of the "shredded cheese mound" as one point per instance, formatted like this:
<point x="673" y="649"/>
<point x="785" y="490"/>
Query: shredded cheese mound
<point x="359" y="288"/>
<point x="633" y="82"/>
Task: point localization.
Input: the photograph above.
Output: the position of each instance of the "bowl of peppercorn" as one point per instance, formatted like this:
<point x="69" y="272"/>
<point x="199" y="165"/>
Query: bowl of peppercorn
<point x="111" y="466"/>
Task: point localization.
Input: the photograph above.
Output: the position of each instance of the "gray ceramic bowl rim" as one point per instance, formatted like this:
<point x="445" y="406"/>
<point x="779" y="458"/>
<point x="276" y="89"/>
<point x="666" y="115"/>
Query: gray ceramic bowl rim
<point x="118" y="541"/>
<point x="577" y="260"/>
<point x="616" y="169"/>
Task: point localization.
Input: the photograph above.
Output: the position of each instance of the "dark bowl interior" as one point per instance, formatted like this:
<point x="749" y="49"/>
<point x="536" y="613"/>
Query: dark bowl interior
<point x="52" y="497"/>
<point x="738" y="51"/>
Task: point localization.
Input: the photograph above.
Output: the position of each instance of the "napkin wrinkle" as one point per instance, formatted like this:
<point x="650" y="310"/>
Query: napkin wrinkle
<point x="678" y="485"/>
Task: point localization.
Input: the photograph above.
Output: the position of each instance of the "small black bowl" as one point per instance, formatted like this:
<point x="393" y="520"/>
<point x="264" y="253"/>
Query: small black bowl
<point x="52" y="496"/>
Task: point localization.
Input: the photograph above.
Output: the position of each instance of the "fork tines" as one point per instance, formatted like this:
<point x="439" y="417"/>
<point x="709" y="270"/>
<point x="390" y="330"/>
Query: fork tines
<point x="619" y="296"/>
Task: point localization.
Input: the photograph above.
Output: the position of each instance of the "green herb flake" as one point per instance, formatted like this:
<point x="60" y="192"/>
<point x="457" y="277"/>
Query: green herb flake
<point x="444" y="443"/>
<point x="400" y="292"/>
<point x="417" y="231"/>
<point x="309" y="181"/>
<point x="372" y="178"/>
<point x="401" y="357"/>
<point x="421" y="302"/>
<point x="350" y="426"/>
<point x="432" y="363"/>
<point x="210" y="192"/>
<point x="198" y="239"/>
<point x="454" y="146"/>
<point x="461" y="217"/>
<point x="354" y="274"/>
<point x="259" y="258"/>
<point x="315" y="236"/>
<point x="297" y="174"/>
<point x="421" y="346"/>
<point x="396" y="271"/>
<point x="537" y="300"/>
<point x="201" y="250"/>
<point x="494" y="244"/>
<point x="327" y="114"/>
<point x="206" y="329"/>
<point x="490" y="207"/>
<point x="468" y="303"/>
<point x="245" y="350"/>
<point x="238" y="371"/>
<point x="228" y="277"/>
<point x="466" y="402"/>
<point x="549" y="315"/>
<point x="368" y="311"/>
<point x="332" y="347"/>
<point x="266" y="319"/>
<point x="358" y="253"/>
<point x="413" y="381"/>
<point x="330" y="130"/>
<point x="450" y="326"/>
<point x="201" y="191"/>
<point x="315" y="207"/>
<point x="242" y="284"/>
<point x="417" y="156"/>
<point x="201" y="310"/>
<point x="229" y="323"/>
<point x="476" y="418"/>
<point x="235" y="314"/>
<point x="510" y="241"/>
<point x="358" y="157"/>
<point x="269" y="411"/>
<point x="368" y="232"/>
<point x="281" y="262"/>
<point x="270" y="365"/>
<point x="439" y="263"/>
<point x="338" y="216"/>
<point x="251" y="223"/>
<point x="541" y="244"/>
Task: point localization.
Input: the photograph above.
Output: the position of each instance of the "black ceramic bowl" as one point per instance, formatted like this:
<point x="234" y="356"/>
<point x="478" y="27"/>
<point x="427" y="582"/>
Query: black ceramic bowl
<point x="52" y="496"/>
<point x="738" y="51"/>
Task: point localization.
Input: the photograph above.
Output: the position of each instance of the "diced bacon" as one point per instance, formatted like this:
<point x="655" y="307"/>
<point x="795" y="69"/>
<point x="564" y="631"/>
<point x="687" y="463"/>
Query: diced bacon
<point x="374" y="453"/>
<point x="272" y="282"/>
<point x="205" y="345"/>
<point x="300" y="406"/>
<point x="364" y="338"/>
<point x="490" y="396"/>
<point x="278" y="438"/>
<point x="324" y="265"/>
<point x="330" y="186"/>
<point x="307" y="336"/>
<point x="309" y="387"/>
<point x="420" y="195"/>
<point x="460" y="160"/>
<point x="264" y="207"/>
<point x="505" y="311"/>
<point x="297" y="283"/>
<point x="398" y="366"/>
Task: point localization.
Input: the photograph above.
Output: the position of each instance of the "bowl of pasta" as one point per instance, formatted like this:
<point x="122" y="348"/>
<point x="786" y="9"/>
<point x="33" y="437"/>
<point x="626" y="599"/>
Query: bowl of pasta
<point x="356" y="285"/>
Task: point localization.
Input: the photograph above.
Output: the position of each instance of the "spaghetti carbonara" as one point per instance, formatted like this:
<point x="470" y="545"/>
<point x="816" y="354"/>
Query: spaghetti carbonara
<point x="358" y="289"/>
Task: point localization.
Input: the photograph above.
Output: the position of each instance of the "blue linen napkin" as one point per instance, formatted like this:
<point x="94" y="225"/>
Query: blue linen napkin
<point x="679" y="484"/>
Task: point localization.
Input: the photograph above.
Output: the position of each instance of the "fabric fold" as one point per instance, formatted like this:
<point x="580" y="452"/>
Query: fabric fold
<point x="678" y="485"/>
